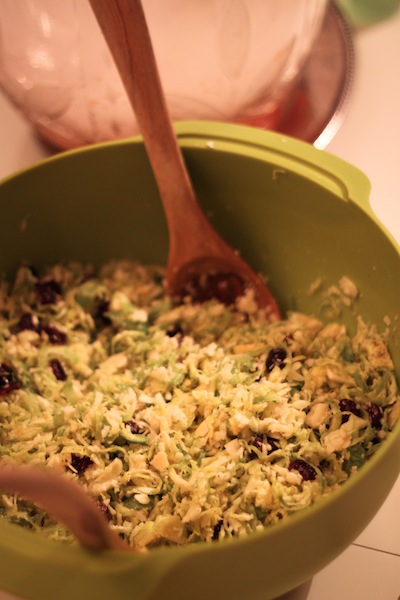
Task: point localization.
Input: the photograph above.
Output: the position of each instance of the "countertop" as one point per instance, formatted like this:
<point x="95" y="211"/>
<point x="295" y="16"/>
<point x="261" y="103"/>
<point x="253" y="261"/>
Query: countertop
<point x="369" y="138"/>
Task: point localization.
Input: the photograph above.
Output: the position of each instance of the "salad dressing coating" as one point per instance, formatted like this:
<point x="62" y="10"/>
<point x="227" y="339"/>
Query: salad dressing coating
<point x="186" y="423"/>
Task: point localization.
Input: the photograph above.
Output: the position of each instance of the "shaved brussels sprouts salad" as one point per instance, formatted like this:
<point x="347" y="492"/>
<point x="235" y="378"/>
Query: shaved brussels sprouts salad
<point x="185" y="423"/>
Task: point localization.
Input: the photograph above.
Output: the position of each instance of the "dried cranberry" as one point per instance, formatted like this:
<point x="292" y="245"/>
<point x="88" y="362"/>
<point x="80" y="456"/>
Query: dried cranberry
<point x="225" y="287"/>
<point x="276" y="358"/>
<point x="80" y="463"/>
<point x="257" y="442"/>
<point x="260" y="442"/>
<point x="133" y="427"/>
<point x="99" y="313"/>
<point x="349" y="406"/>
<point x="26" y="322"/>
<point x="49" y="291"/>
<point x="273" y="444"/>
<point x="174" y="330"/>
<point x="8" y="379"/>
<point x="217" y="530"/>
<point x="104" y="509"/>
<point x="306" y="470"/>
<point x="58" y="370"/>
<point x="375" y="415"/>
<point x="55" y="336"/>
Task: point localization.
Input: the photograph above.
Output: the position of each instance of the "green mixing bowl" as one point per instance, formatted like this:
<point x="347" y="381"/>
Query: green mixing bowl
<point x="296" y="214"/>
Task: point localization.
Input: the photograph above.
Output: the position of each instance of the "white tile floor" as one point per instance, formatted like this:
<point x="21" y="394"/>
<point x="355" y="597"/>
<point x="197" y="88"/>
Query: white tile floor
<point x="383" y="533"/>
<point x="370" y="568"/>
<point x="359" y="574"/>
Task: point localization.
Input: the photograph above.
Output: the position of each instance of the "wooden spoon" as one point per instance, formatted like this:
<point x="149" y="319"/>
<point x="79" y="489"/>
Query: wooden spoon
<point x="200" y="261"/>
<point x="66" y="501"/>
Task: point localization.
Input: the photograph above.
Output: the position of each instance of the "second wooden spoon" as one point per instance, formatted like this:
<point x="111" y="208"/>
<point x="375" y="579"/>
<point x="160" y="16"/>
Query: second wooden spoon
<point x="200" y="262"/>
<point x="65" y="501"/>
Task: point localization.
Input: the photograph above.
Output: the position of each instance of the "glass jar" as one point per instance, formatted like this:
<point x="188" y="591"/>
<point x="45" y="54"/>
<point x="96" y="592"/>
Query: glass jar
<point x="226" y="60"/>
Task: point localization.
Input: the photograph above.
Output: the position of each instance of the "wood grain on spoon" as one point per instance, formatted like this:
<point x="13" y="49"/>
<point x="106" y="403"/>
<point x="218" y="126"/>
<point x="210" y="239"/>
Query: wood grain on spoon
<point x="195" y="247"/>
<point x="64" y="500"/>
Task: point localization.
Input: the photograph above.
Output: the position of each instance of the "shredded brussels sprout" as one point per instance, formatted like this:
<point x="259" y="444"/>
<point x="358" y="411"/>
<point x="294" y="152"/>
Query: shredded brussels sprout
<point x="186" y="423"/>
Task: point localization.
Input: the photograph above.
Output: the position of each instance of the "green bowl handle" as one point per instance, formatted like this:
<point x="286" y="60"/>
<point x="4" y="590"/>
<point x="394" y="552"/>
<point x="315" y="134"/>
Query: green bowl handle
<point x="340" y="177"/>
<point x="334" y="173"/>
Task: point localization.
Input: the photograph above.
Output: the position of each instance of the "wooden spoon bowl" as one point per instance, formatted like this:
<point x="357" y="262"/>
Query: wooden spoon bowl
<point x="64" y="500"/>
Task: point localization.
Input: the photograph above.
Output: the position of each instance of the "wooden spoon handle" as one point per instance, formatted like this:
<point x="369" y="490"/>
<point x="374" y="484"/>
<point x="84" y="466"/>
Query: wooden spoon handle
<point x="64" y="500"/>
<point x="125" y="29"/>
<point x="195" y="247"/>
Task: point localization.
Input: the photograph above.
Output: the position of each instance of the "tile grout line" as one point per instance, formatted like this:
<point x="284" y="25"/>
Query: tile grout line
<point x="377" y="550"/>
